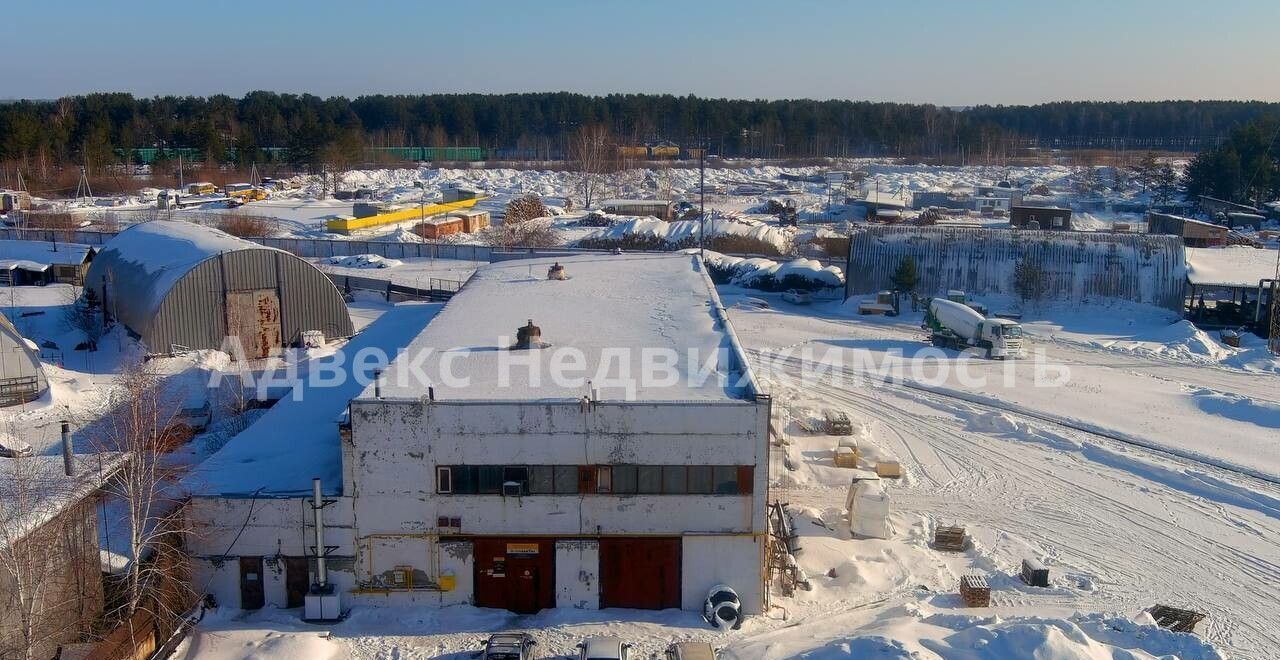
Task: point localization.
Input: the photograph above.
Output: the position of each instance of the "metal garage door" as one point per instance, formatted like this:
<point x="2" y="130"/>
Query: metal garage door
<point x="515" y="574"/>
<point x="640" y="573"/>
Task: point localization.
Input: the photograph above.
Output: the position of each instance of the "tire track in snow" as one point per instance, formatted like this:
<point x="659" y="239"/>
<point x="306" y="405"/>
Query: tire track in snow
<point x="1114" y="538"/>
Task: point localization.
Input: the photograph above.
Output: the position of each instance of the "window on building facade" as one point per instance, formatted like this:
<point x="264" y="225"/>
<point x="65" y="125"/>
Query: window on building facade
<point x="699" y="479"/>
<point x="674" y="480"/>
<point x="566" y="479"/>
<point x="490" y="479"/>
<point x="542" y="479"/>
<point x="649" y="479"/>
<point x="518" y="474"/>
<point x="624" y="480"/>
<point x="596" y="479"/>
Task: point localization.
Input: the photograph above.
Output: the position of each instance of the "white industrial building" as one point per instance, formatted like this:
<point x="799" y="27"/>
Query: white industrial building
<point x="470" y="473"/>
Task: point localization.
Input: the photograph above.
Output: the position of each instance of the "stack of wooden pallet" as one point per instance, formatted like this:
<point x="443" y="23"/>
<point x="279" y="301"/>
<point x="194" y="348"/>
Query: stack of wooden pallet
<point x="951" y="539"/>
<point x="974" y="591"/>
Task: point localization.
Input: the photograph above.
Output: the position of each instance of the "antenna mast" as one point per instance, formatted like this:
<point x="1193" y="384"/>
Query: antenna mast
<point x="83" y="193"/>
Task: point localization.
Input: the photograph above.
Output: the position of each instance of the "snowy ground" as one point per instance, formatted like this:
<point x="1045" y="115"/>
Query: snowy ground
<point x="1151" y="476"/>
<point x="299" y="213"/>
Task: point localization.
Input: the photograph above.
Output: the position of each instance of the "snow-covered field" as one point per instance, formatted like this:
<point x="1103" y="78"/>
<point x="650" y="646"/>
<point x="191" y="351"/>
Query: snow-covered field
<point x="299" y="211"/>
<point x="1134" y="455"/>
<point x="1152" y="475"/>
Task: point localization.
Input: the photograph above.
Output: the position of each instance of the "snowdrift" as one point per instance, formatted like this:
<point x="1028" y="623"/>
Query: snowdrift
<point x="770" y="275"/>
<point x="652" y="233"/>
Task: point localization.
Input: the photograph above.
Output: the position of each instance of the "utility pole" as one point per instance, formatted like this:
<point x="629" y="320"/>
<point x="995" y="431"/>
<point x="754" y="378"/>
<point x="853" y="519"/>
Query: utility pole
<point x="702" y="200"/>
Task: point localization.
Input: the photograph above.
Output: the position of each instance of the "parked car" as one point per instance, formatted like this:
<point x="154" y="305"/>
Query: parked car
<point x="690" y="651"/>
<point x="196" y="413"/>
<point x="603" y="648"/>
<point x="192" y="418"/>
<point x="797" y="297"/>
<point x="758" y="303"/>
<point x="509" y="646"/>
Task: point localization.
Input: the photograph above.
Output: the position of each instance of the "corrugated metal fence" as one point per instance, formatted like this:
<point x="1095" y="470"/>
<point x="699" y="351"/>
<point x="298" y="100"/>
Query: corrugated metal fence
<point x="302" y="247"/>
<point x="1079" y="266"/>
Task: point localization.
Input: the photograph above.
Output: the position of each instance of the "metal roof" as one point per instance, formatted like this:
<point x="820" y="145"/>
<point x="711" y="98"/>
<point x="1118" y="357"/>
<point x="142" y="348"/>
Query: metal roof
<point x="166" y="281"/>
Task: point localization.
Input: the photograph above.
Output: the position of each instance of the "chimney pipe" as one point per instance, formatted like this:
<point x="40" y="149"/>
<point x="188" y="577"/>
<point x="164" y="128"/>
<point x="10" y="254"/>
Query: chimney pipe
<point x="377" y="383"/>
<point x="67" y="466"/>
<point x="431" y="393"/>
<point x="317" y="503"/>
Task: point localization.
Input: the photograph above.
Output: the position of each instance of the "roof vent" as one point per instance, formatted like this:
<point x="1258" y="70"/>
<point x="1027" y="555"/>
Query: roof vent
<point x="528" y="337"/>
<point x="556" y="272"/>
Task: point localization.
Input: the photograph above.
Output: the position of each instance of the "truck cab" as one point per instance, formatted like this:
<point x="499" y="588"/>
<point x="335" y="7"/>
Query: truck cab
<point x="1001" y="337"/>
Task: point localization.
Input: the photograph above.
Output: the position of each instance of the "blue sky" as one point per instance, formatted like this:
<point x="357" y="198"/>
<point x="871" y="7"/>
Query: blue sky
<point x="936" y="51"/>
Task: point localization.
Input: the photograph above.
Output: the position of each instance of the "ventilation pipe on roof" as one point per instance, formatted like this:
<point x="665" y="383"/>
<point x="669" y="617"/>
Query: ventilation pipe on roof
<point x="529" y="336"/>
<point x="67" y="465"/>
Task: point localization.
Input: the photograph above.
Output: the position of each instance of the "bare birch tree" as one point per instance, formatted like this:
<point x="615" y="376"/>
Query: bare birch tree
<point x="137" y="424"/>
<point x="591" y="155"/>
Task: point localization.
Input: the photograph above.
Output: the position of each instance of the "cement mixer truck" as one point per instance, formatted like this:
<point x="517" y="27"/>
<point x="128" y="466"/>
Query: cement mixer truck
<point x="956" y="325"/>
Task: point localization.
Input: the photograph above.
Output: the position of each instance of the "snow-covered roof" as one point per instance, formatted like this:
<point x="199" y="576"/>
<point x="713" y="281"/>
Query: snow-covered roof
<point x="297" y="439"/>
<point x="148" y="258"/>
<point x="39" y="255"/>
<point x="35" y="489"/>
<point x="609" y="310"/>
<point x="1234" y="265"/>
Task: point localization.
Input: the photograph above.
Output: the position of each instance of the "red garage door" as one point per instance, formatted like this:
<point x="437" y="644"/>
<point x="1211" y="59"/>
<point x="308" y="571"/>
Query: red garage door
<point x="640" y="573"/>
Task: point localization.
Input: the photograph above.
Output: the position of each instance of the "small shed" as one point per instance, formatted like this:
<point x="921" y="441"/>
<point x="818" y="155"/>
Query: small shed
<point x="1231" y="286"/>
<point x="22" y="376"/>
<point x="473" y="220"/>
<point x="439" y="226"/>
<point x="43" y="262"/>
<point x="1194" y="233"/>
<point x="1040" y="217"/>
<point x="182" y="286"/>
<point x="658" y="208"/>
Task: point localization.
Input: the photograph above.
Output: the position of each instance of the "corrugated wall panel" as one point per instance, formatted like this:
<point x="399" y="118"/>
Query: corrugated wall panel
<point x="310" y="301"/>
<point x="1079" y="265"/>
<point x="194" y="313"/>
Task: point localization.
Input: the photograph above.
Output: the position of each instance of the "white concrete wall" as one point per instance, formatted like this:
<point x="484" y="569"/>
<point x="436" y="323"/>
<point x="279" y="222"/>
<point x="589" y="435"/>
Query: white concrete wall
<point x="397" y="445"/>
<point x="458" y="558"/>
<point x="224" y="581"/>
<point x="733" y="560"/>
<point x="578" y="574"/>
<point x="271" y="527"/>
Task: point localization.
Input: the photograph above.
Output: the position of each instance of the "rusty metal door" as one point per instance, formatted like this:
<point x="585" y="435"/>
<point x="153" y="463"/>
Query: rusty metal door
<point x="252" y="594"/>
<point x="254" y="318"/>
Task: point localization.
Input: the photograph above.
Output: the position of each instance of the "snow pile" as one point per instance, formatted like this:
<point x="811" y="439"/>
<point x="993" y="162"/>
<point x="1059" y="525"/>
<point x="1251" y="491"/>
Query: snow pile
<point x="1183" y="339"/>
<point x="918" y="633"/>
<point x="364" y="261"/>
<point x="770" y="275"/>
<point x="684" y="233"/>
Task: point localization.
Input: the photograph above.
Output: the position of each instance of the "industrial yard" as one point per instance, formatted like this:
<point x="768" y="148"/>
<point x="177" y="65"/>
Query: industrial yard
<point x="639" y="331"/>
<point x="1031" y="458"/>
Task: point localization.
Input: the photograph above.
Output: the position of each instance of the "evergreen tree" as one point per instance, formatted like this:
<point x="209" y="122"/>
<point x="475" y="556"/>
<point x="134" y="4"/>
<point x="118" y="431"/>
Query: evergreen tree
<point x="1029" y="280"/>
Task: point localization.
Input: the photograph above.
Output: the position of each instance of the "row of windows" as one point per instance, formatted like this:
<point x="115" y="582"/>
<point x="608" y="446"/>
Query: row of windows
<point x="594" y="479"/>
